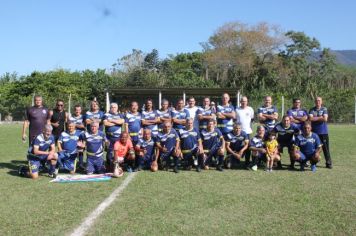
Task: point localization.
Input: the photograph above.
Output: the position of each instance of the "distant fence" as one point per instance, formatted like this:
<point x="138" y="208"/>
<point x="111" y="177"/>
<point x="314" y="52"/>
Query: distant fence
<point x="342" y="109"/>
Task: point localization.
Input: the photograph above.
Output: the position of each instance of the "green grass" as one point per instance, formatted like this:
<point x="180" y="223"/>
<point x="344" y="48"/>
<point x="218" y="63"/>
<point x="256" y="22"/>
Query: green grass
<point x="210" y="203"/>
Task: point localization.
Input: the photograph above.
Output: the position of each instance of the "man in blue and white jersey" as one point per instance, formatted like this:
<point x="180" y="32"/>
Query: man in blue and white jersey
<point x="286" y="133"/>
<point x="113" y="121"/>
<point x="318" y="116"/>
<point x="297" y="114"/>
<point x="191" y="146"/>
<point x="150" y="118"/>
<point x="236" y="146"/>
<point x="133" y="122"/>
<point x="41" y="152"/>
<point x="94" y="142"/>
<point x="168" y="146"/>
<point x="213" y="146"/>
<point x="68" y="148"/>
<point x="78" y="119"/>
<point x="257" y="147"/>
<point x="145" y="149"/>
<point x="206" y="113"/>
<point x="94" y="115"/>
<point x="225" y="115"/>
<point x="307" y="147"/>
<point x="180" y="115"/>
<point x="164" y="114"/>
<point x="268" y="114"/>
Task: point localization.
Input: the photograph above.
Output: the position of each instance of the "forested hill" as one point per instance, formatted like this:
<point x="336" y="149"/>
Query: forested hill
<point x="344" y="57"/>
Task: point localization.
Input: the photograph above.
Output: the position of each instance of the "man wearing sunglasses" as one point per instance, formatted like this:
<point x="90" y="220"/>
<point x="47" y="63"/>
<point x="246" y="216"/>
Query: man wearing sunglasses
<point x="58" y="119"/>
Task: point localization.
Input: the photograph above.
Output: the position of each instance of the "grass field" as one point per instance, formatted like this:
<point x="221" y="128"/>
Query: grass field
<point x="233" y="202"/>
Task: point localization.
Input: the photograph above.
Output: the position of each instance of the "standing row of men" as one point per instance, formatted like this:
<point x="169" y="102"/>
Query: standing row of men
<point x="184" y="133"/>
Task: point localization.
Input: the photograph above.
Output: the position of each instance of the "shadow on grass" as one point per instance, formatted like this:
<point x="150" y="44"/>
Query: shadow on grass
<point x="12" y="166"/>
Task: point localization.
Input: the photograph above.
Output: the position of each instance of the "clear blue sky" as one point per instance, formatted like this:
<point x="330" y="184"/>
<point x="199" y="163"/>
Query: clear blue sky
<point x="89" y="34"/>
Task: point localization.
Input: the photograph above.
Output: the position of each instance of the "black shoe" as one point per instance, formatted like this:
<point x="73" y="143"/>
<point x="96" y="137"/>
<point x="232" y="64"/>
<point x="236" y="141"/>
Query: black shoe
<point x="219" y="168"/>
<point x="53" y="175"/>
<point x="329" y="166"/>
<point x="291" y="167"/>
<point x="176" y="169"/>
<point x="279" y="165"/>
<point x="198" y="169"/>
<point x="22" y="170"/>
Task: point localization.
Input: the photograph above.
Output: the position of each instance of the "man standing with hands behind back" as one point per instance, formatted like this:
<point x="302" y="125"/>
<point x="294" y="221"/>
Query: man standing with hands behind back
<point x="36" y="117"/>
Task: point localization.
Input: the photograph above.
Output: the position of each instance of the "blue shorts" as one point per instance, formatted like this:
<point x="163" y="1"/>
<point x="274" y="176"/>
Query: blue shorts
<point x="67" y="161"/>
<point x="165" y="155"/>
<point x="261" y="156"/>
<point x="95" y="165"/>
<point x="282" y="145"/>
<point x="36" y="163"/>
<point x="304" y="157"/>
<point x="189" y="154"/>
<point x="146" y="160"/>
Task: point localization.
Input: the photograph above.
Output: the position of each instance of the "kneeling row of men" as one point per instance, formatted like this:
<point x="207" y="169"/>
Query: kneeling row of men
<point x="187" y="147"/>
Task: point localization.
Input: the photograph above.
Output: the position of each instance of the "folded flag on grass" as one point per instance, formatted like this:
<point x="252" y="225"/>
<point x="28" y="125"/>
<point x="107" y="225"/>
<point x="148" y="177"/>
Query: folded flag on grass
<point x="82" y="178"/>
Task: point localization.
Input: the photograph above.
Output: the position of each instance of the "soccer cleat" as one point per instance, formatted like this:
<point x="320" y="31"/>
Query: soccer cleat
<point x="291" y="167"/>
<point x="53" y="175"/>
<point x="313" y="167"/>
<point x="198" y="169"/>
<point x="329" y="166"/>
<point x="302" y="166"/>
<point x="176" y="169"/>
<point x="307" y="164"/>
<point x="22" y="170"/>
<point x="279" y="165"/>
<point x="219" y="168"/>
<point x="254" y="168"/>
<point x="129" y="169"/>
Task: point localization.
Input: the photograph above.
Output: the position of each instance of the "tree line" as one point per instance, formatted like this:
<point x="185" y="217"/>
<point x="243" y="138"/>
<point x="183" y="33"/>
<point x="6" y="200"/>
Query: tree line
<point x="256" y="59"/>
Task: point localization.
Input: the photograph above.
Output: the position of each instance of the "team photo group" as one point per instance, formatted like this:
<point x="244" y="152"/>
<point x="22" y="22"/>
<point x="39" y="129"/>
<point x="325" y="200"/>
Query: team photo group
<point x="181" y="136"/>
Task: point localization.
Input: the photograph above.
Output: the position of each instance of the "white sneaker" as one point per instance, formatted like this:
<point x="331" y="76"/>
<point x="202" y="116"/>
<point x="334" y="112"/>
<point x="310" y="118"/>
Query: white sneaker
<point x="254" y="168"/>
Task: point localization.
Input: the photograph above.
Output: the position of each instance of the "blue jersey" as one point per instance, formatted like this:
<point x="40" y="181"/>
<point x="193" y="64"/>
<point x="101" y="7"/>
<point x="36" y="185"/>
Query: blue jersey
<point x="293" y="112"/>
<point x="257" y="142"/>
<point x="268" y="111"/>
<point x="319" y="127"/>
<point x="225" y="125"/>
<point x="212" y="139"/>
<point x="237" y="141"/>
<point x="169" y="140"/>
<point x="69" y="141"/>
<point x="134" y="122"/>
<point x="95" y="115"/>
<point x="42" y="144"/>
<point x="113" y="132"/>
<point x="189" y="138"/>
<point x="77" y="120"/>
<point x="308" y="145"/>
<point x="203" y="124"/>
<point x="181" y="115"/>
<point x="285" y="134"/>
<point x="94" y="143"/>
<point x="147" y="145"/>
<point x="163" y="114"/>
<point x="152" y="115"/>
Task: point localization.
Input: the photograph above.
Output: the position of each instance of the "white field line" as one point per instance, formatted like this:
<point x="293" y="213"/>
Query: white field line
<point x="90" y="219"/>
